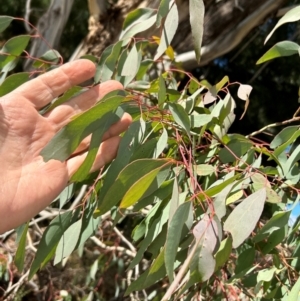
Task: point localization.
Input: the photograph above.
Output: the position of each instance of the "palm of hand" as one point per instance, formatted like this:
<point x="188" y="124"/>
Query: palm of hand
<point x="28" y="184"/>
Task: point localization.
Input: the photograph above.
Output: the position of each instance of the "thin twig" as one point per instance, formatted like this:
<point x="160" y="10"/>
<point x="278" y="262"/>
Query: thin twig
<point x="294" y="119"/>
<point x="100" y="244"/>
<point x="79" y="197"/>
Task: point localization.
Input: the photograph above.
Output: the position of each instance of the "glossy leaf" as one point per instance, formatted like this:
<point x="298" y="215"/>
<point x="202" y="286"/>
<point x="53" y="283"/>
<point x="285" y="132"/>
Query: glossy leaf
<point x="162" y="11"/>
<point x="173" y="236"/>
<point x="12" y="48"/>
<point x="294" y="294"/>
<point x="196" y="8"/>
<point x="168" y="32"/>
<point x="96" y="139"/>
<point x="12" y="82"/>
<point x="128" y="145"/>
<point x="285" y="48"/>
<point x="244" y="217"/>
<point x="220" y="201"/>
<point x="72" y="92"/>
<point x="180" y="116"/>
<point x="65" y="142"/>
<point x="68" y="241"/>
<point x="49" y="241"/>
<point x="20" y="253"/>
<point x="235" y="149"/>
<point x="137" y="15"/>
<point x="130" y="67"/>
<point x="162" y="92"/>
<point x="291" y="16"/>
<point x="5" y="22"/>
<point x="50" y="57"/>
<point x="223" y="253"/>
<point x="129" y="176"/>
<point x="278" y="221"/>
<point x="200" y="120"/>
<point x="137" y="28"/>
<point x="145" y="186"/>
<point x="284" y="136"/>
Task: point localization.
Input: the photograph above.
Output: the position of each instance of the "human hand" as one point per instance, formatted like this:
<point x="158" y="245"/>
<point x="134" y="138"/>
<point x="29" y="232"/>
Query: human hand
<point x="27" y="183"/>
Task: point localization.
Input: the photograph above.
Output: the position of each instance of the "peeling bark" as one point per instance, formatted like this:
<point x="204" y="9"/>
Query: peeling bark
<point x="227" y="22"/>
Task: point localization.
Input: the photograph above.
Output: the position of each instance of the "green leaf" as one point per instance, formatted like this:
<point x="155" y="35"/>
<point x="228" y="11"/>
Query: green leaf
<point x="168" y="32"/>
<point x="200" y="120"/>
<point x="274" y="239"/>
<point x="291" y="16"/>
<point x="128" y="145"/>
<point x="12" y="48"/>
<point x="220" y="201"/>
<point x="242" y="220"/>
<point x="180" y="116"/>
<point x="223" y="253"/>
<point x="266" y="274"/>
<point x="217" y="187"/>
<point x="131" y="65"/>
<point x="197" y="9"/>
<point x="137" y="28"/>
<point x="50" y="57"/>
<point x="20" y="254"/>
<point x="108" y="62"/>
<point x="173" y="236"/>
<point x="244" y="260"/>
<point x="136" y="16"/>
<point x="203" y="261"/>
<point x="278" y="221"/>
<point x="204" y="169"/>
<point x="12" y="82"/>
<point x="162" y="92"/>
<point x="294" y="294"/>
<point x="145" y="185"/>
<point x="234" y="150"/>
<point x="162" y="12"/>
<point x="65" y="142"/>
<point x="96" y="139"/>
<point x="68" y="241"/>
<point x="129" y="176"/>
<point x="49" y="241"/>
<point x="72" y="92"/>
<point x="65" y="195"/>
<point x="284" y="136"/>
<point x="4" y="22"/>
<point x="285" y="48"/>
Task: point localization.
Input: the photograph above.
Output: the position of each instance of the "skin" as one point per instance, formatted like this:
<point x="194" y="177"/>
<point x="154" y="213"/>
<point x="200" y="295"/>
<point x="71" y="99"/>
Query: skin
<point x="27" y="183"/>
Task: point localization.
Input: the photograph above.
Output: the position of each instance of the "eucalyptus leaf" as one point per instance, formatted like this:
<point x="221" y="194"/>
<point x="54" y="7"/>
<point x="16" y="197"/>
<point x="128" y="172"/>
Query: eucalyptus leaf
<point x="285" y="48"/>
<point x="196" y="8"/>
<point x="168" y="32"/>
<point x="244" y="217"/>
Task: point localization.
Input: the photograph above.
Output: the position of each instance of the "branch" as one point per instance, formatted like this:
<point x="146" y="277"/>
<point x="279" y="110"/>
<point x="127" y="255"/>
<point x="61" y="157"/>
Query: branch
<point x="224" y="44"/>
<point x="294" y="119"/>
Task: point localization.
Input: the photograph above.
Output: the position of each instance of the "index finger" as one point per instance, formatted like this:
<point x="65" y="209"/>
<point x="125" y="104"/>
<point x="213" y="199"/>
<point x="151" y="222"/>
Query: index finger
<point x="43" y="89"/>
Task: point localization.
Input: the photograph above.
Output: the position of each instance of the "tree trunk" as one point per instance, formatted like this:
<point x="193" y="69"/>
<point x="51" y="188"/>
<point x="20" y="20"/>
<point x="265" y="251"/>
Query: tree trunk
<point x="227" y="23"/>
<point x="50" y="27"/>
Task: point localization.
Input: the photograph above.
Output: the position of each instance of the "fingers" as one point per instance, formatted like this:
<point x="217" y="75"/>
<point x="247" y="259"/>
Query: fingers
<point x="115" y="130"/>
<point x="62" y="114"/>
<point x="43" y="89"/>
<point x="106" y="153"/>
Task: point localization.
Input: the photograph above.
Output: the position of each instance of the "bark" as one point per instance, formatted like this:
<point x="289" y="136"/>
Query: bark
<point x="227" y="23"/>
<point x="50" y="27"/>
